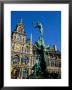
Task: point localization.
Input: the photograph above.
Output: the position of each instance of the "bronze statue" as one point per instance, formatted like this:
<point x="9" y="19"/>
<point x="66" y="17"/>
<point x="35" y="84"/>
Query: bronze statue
<point x="40" y="65"/>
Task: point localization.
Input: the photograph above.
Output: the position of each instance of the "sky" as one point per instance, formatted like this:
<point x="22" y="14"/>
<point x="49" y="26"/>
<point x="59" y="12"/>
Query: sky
<point x="51" y="21"/>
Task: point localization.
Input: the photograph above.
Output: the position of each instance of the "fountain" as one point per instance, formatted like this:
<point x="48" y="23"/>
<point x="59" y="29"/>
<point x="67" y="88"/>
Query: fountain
<point x="40" y="69"/>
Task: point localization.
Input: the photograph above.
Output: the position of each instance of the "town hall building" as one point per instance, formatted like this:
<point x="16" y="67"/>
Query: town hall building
<point x="23" y="55"/>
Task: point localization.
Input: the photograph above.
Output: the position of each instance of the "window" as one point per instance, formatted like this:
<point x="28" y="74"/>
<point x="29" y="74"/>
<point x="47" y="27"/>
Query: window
<point x="22" y="49"/>
<point x="18" y="37"/>
<point x="59" y="64"/>
<point x="25" y="73"/>
<point x="15" y="60"/>
<point x="25" y="59"/>
<point x="52" y="62"/>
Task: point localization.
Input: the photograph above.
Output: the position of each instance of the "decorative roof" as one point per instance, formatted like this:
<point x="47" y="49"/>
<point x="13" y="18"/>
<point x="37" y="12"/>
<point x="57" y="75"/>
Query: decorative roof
<point x="20" y="23"/>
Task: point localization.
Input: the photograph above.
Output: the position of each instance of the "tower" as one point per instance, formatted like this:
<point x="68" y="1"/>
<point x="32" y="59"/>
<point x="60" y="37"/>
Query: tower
<point x="19" y="38"/>
<point x="20" y="27"/>
<point x="31" y="44"/>
<point x="18" y="46"/>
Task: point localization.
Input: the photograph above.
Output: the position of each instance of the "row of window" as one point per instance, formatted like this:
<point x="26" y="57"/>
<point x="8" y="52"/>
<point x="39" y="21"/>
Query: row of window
<point x="53" y="63"/>
<point x="23" y="60"/>
<point x="20" y="49"/>
<point x="19" y="38"/>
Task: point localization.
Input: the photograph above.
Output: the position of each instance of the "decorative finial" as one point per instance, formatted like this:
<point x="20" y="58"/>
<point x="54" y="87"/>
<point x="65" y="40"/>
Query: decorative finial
<point x="31" y="37"/>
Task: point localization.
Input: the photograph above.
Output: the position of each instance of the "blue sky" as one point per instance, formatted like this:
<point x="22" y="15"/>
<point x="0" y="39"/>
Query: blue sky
<point x="51" y="21"/>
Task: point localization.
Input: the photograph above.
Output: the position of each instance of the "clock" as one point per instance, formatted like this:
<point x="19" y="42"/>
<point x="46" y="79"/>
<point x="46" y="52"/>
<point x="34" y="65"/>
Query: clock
<point x="20" y="28"/>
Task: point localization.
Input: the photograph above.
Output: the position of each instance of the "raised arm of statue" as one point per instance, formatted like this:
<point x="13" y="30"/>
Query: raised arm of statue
<point x="39" y="26"/>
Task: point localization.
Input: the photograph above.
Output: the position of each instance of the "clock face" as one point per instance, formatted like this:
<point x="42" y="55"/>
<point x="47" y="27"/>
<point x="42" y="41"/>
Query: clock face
<point x="20" y="28"/>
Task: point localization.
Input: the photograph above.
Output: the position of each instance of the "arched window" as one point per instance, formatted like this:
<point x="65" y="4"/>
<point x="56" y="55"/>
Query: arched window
<point x="25" y="73"/>
<point x="25" y="59"/>
<point x="15" y="60"/>
<point x="22" y="50"/>
<point x="52" y="62"/>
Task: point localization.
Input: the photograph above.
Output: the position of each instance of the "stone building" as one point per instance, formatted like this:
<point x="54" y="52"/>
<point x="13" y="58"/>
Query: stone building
<point x="21" y="52"/>
<point x="52" y="58"/>
<point x="54" y="62"/>
<point x="23" y="55"/>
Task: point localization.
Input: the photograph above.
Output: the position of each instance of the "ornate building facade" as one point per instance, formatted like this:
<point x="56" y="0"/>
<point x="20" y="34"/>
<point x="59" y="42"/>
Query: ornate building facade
<point x="21" y="53"/>
<point x="24" y="53"/>
<point x="52" y="58"/>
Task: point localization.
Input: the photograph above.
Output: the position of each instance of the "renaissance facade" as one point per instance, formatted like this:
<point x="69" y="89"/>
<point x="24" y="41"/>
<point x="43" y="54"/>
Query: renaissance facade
<point x="21" y="53"/>
<point x="24" y="54"/>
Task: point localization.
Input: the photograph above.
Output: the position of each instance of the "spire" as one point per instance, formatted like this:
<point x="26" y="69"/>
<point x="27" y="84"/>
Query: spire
<point x="55" y="47"/>
<point x="20" y="24"/>
<point x="21" y="21"/>
<point x="31" y="44"/>
<point x="31" y="38"/>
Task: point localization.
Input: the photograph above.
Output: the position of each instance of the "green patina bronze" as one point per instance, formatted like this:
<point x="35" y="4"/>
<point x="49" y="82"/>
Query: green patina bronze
<point x="40" y="66"/>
